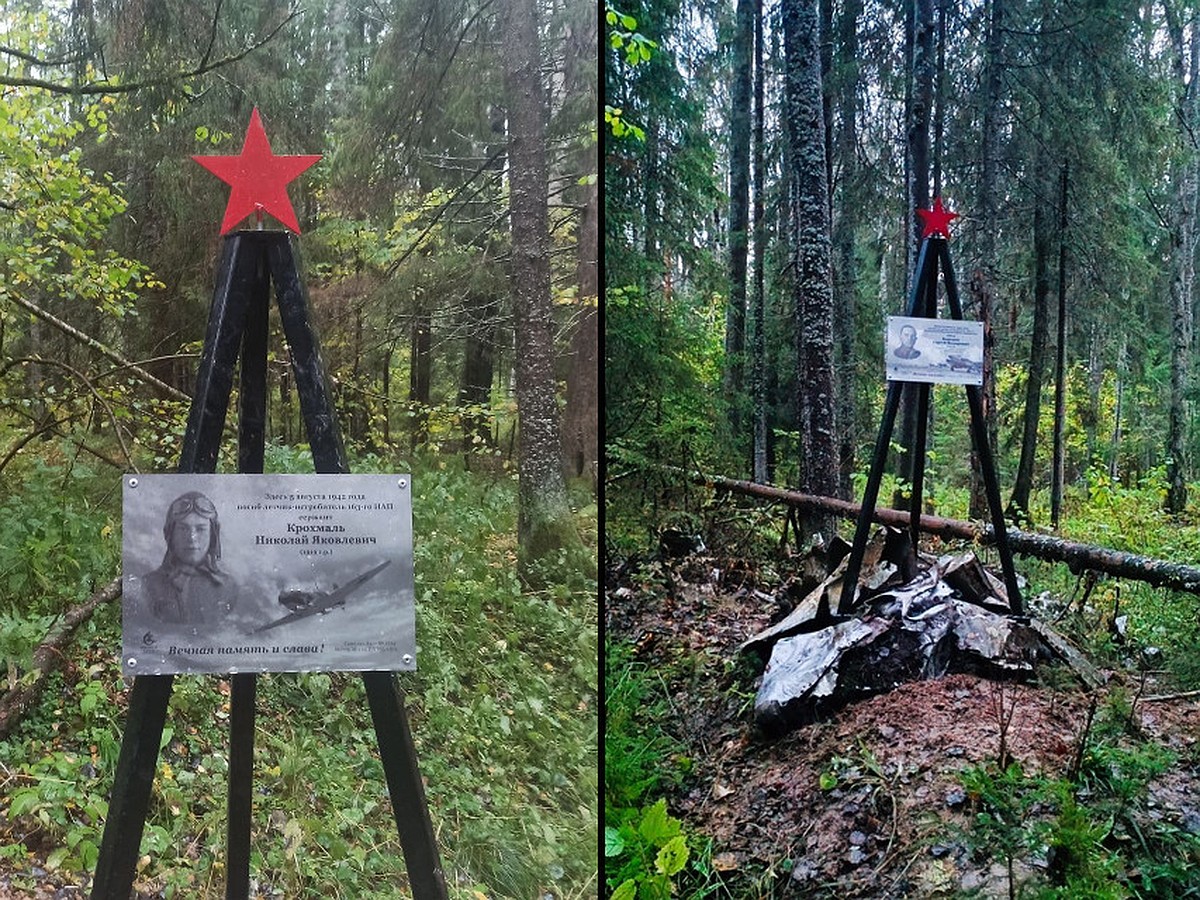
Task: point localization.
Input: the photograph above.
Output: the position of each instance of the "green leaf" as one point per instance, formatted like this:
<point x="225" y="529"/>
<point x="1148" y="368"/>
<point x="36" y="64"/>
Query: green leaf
<point x="54" y="859"/>
<point x="657" y="827"/>
<point x="201" y="133"/>
<point x="613" y="842"/>
<point x="828" y="781"/>
<point x="628" y="22"/>
<point x="627" y="890"/>
<point x="672" y="857"/>
<point x="22" y="802"/>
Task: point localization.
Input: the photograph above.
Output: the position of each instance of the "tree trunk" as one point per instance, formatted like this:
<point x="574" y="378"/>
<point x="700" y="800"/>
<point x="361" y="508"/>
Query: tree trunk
<point x="544" y="522"/>
<point x="844" y="233"/>
<point x="1183" y="241"/>
<point x="1023" y="487"/>
<point x="475" y="385"/>
<point x="939" y="114"/>
<point x="984" y="280"/>
<point x="921" y="73"/>
<point x="813" y="295"/>
<point x="419" y="372"/>
<point x="1114" y="462"/>
<point x="1060" y="360"/>
<point x="581" y="414"/>
<point x="1091" y="417"/>
<point x="825" y="43"/>
<point x="739" y="218"/>
<point x="387" y="393"/>
<point x="581" y="410"/>
<point x="758" y="356"/>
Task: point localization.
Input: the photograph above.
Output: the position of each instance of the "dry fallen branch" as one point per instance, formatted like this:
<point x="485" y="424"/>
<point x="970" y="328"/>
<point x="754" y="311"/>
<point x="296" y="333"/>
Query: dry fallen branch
<point x="49" y="658"/>
<point x="1158" y="698"/>
<point x="89" y="341"/>
<point x="1078" y="557"/>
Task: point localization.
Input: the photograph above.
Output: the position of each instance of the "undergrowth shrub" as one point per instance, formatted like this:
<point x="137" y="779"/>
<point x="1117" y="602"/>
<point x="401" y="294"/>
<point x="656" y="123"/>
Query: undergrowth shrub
<point x="1093" y="831"/>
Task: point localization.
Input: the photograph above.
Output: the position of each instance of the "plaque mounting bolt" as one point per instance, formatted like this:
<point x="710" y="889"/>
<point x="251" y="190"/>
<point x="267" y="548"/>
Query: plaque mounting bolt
<point x="403" y="482"/>
<point x="407" y="658"/>
<point x="133" y="482"/>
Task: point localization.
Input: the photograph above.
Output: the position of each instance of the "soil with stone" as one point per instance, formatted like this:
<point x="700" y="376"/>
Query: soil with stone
<point x="867" y="801"/>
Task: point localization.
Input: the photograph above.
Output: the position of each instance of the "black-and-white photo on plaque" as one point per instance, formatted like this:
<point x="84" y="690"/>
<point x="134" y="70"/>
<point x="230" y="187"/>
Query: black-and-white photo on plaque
<point x="267" y="573"/>
<point x="935" y="351"/>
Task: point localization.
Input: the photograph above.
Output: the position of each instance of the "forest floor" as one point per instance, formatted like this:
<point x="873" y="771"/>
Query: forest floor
<point x="869" y="802"/>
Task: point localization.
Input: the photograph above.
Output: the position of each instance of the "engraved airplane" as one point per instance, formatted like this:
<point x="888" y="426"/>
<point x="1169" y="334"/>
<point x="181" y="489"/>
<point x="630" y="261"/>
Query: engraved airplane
<point x="309" y="603"/>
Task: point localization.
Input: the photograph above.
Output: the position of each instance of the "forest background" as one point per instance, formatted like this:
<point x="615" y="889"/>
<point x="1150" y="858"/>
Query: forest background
<point x="763" y="165"/>
<point x="449" y="249"/>
<point x="1062" y="134"/>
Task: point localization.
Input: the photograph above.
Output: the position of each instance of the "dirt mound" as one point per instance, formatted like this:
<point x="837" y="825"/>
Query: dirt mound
<point x="867" y="802"/>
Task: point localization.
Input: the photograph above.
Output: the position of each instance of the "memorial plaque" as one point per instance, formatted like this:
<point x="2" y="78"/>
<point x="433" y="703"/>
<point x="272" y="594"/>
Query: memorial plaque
<point x="938" y="351"/>
<point x="267" y="573"/>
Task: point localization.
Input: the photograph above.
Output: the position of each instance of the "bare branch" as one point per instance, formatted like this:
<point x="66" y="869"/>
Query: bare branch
<point x="101" y="87"/>
<point x="88" y="340"/>
<point x="47" y="63"/>
<point x="70" y="370"/>
<point x="19" y="445"/>
<point x="212" y="34"/>
<point x="392" y="269"/>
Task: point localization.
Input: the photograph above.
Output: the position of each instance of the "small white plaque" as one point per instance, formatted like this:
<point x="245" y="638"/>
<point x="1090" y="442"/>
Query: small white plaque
<point x="935" y="351"/>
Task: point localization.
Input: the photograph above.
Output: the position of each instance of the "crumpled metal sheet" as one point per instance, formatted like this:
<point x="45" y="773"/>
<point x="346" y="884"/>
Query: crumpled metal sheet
<point x="922" y="629"/>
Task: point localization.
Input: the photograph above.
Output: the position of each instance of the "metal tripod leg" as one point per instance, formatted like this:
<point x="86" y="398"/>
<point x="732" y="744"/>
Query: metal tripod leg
<point x="396" y="748"/>
<point x="252" y="420"/>
<point x="983" y="447"/>
<point x="117" y="861"/>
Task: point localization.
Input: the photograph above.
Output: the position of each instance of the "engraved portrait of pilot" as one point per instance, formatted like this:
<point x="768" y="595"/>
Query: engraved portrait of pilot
<point x="189" y="587"/>
<point x="908" y="340"/>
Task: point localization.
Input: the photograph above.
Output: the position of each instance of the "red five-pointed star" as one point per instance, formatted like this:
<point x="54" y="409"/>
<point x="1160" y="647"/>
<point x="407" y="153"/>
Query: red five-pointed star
<point x="936" y="220"/>
<point x="258" y="177"/>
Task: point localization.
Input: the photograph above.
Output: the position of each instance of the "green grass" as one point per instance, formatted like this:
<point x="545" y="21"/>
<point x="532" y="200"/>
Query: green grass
<point x="503" y="710"/>
<point x="648" y="853"/>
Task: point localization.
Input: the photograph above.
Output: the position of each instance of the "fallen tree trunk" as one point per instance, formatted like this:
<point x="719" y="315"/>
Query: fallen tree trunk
<point x="1078" y="557"/>
<point x="49" y="658"/>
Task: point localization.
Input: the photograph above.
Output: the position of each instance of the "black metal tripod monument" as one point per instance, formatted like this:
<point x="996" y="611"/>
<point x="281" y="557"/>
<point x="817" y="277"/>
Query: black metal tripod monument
<point x="238" y="326"/>
<point x="922" y="303"/>
<point x="238" y="323"/>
